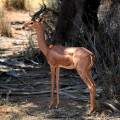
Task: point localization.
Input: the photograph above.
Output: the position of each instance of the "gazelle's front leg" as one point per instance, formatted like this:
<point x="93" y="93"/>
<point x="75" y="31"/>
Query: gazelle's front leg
<point x="57" y="85"/>
<point x="52" y="85"/>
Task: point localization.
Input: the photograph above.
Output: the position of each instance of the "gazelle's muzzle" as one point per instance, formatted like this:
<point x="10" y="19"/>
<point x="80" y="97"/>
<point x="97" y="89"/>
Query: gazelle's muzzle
<point x="25" y="25"/>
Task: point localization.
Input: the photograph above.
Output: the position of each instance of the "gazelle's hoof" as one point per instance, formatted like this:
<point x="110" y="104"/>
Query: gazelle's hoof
<point x="57" y="105"/>
<point x="50" y="106"/>
<point x="91" y="110"/>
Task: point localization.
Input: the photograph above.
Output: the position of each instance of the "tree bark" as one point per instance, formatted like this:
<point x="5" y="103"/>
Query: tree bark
<point x="73" y="14"/>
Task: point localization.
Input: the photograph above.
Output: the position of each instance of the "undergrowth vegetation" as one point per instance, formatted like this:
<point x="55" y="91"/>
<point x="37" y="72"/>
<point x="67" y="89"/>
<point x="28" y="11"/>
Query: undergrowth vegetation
<point x="19" y="4"/>
<point x="5" y="25"/>
<point x="105" y="43"/>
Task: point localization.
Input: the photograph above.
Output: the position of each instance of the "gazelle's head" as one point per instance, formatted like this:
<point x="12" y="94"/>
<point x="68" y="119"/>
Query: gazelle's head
<point x="37" y="19"/>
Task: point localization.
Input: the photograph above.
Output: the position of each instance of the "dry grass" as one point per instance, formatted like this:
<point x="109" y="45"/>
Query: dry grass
<point x="27" y="4"/>
<point x="9" y="111"/>
<point x="19" y="4"/>
<point x="5" y="26"/>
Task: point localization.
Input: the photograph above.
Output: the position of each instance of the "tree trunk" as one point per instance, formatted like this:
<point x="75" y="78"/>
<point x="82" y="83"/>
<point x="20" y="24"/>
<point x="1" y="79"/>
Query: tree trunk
<point x="73" y="14"/>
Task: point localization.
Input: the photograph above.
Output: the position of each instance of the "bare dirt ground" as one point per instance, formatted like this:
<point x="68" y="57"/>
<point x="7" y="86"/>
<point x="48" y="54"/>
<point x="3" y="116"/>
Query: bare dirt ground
<point x="29" y="79"/>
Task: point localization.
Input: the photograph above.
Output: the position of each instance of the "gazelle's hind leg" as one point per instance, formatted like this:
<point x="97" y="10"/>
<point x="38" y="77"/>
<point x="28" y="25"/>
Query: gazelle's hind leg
<point x="57" y="85"/>
<point x="87" y="78"/>
<point x="92" y="91"/>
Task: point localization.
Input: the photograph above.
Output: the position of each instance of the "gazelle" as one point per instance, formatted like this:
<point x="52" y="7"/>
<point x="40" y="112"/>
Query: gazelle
<point x="58" y="56"/>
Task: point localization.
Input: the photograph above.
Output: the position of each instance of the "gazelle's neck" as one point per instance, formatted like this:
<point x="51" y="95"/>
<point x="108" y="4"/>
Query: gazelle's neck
<point x="41" y="39"/>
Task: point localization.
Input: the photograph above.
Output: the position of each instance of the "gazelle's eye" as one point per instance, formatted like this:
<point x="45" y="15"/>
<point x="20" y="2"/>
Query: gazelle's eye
<point x="40" y="19"/>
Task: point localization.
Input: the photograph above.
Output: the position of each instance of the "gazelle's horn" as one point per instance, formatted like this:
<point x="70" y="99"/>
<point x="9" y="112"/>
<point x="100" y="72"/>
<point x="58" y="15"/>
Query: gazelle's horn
<point x="36" y="15"/>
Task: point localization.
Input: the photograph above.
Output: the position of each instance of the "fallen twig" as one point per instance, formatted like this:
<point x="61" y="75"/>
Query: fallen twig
<point x="25" y="92"/>
<point x="112" y="118"/>
<point x="112" y="105"/>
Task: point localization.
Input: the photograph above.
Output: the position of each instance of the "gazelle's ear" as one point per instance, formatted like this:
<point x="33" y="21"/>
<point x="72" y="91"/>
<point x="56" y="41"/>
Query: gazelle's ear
<point x="44" y="18"/>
